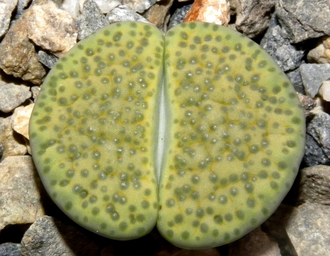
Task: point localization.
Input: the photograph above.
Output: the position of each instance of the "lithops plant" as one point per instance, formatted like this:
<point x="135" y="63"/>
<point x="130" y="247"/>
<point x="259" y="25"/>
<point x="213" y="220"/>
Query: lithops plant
<point x="93" y="129"/>
<point x="237" y="136"/>
<point x="233" y="142"/>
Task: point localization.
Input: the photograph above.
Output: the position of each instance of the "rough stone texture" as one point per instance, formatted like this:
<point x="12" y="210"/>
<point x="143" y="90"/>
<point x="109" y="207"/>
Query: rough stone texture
<point x="321" y="53"/>
<point x="286" y="55"/>
<point x="11" y="144"/>
<point x="252" y="16"/>
<point x="307" y="102"/>
<point x="71" y="6"/>
<point x="313" y="75"/>
<point x="317" y="148"/>
<point x="21" y="118"/>
<point x="19" y="191"/>
<point x="90" y="20"/>
<point x="139" y="5"/>
<point x="107" y="5"/>
<point x="10" y="249"/>
<point x="296" y="80"/>
<point x="304" y="19"/>
<point x="256" y="243"/>
<point x="325" y="91"/>
<point x="18" y="55"/>
<point x="212" y="11"/>
<point x="12" y="95"/>
<point x="123" y="13"/>
<point x="51" y="28"/>
<point x="6" y="9"/>
<point x="158" y="14"/>
<point x="314" y="185"/>
<point x="47" y="59"/>
<point x="308" y="228"/>
<point x="35" y="92"/>
<point x="49" y="237"/>
<point x="179" y="15"/>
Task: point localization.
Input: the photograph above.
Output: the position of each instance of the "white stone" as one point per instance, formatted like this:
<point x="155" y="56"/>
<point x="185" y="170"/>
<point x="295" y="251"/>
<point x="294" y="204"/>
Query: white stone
<point x="21" y="118"/>
<point x="325" y="90"/>
<point x="72" y="7"/>
<point x="6" y="9"/>
<point x="107" y="5"/>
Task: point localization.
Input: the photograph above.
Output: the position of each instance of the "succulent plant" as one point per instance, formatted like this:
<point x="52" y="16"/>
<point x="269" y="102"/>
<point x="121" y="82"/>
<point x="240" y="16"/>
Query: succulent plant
<point x="233" y="133"/>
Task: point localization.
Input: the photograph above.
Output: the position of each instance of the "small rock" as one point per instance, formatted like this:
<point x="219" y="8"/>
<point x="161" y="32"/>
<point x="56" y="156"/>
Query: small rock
<point x="212" y="11"/>
<point x="71" y="6"/>
<point x="35" y="92"/>
<point x="107" y="5"/>
<point x="51" y="28"/>
<point x="6" y="9"/>
<point x="18" y="55"/>
<point x="12" y="95"/>
<point x="307" y="103"/>
<point x="286" y="55"/>
<point x="124" y="13"/>
<point x="314" y="185"/>
<point x="139" y="6"/>
<point x="304" y="19"/>
<point x="313" y="75"/>
<point x="47" y="59"/>
<point x="321" y="53"/>
<point x="179" y="14"/>
<point x="325" y="91"/>
<point x="256" y="243"/>
<point x="21" y="119"/>
<point x="252" y="16"/>
<point x="10" y="249"/>
<point x="11" y="144"/>
<point x="50" y="237"/>
<point x="308" y="228"/>
<point x="90" y="20"/>
<point x="158" y="14"/>
<point x="317" y="147"/>
<point x="296" y="80"/>
<point x="19" y="192"/>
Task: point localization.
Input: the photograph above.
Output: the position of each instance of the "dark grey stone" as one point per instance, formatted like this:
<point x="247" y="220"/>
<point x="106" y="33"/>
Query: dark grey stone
<point x="317" y="148"/>
<point x="313" y="75"/>
<point x="47" y="59"/>
<point x="12" y="95"/>
<point x="286" y="55"/>
<point x="10" y="249"/>
<point x="296" y="80"/>
<point x="90" y="20"/>
<point x="253" y="16"/>
<point x="179" y="14"/>
<point x="50" y="237"/>
<point x="304" y="19"/>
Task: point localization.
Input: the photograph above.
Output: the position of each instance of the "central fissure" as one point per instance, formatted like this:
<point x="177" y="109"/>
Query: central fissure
<point x="161" y="135"/>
